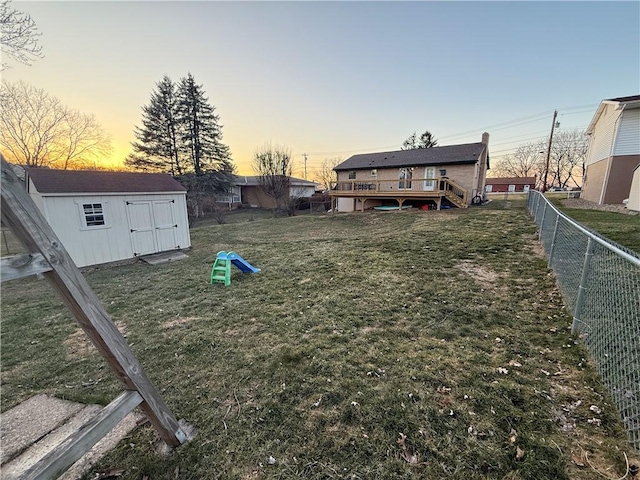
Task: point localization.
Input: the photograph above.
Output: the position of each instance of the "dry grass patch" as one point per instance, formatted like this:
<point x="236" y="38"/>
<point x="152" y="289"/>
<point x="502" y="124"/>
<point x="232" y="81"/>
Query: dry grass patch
<point x="179" y="322"/>
<point x="78" y="346"/>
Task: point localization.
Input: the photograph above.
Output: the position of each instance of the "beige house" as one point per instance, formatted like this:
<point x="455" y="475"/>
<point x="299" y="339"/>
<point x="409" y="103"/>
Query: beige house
<point x="248" y="190"/>
<point x="437" y="177"/>
<point x="614" y="150"/>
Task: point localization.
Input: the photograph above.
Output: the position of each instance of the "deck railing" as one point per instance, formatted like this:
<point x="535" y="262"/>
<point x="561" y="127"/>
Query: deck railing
<point x="420" y="187"/>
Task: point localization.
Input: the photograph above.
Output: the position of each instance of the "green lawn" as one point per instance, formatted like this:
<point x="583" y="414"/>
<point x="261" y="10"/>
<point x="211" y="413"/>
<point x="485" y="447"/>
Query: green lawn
<point x="361" y="329"/>
<point x="619" y="227"/>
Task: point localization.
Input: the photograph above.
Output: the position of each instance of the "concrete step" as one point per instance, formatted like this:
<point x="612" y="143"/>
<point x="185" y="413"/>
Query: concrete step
<point x="35" y="427"/>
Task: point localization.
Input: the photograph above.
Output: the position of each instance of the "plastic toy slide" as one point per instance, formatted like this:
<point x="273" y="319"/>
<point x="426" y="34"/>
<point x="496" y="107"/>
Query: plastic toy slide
<point x="221" y="271"/>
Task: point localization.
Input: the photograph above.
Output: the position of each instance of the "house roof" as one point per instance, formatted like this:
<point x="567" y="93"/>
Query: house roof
<point x="511" y="181"/>
<point x="254" y="180"/>
<point x="632" y="98"/>
<point x="451" y="154"/>
<point x="631" y="102"/>
<point x="90" y="181"/>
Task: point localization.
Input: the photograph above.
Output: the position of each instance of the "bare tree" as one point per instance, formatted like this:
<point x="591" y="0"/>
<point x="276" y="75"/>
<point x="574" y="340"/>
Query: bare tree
<point x="18" y="35"/>
<point x="37" y="130"/>
<point x="527" y="161"/>
<point x="568" y="154"/>
<point x="566" y="162"/>
<point x="325" y="173"/>
<point x="273" y="165"/>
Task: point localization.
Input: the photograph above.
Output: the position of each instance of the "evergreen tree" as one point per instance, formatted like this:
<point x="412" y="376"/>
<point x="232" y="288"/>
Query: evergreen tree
<point x="157" y="141"/>
<point x="201" y="133"/>
<point x="426" y="140"/>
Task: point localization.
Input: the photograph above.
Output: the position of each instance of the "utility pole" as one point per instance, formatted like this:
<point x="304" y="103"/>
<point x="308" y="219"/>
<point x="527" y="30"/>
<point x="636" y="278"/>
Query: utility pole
<point x="305" y="165"/>
<point x="546" y="168"/>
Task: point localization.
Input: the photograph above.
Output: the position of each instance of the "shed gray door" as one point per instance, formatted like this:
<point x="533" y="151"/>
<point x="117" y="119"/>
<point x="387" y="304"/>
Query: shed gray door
<point x="141" y="226"/>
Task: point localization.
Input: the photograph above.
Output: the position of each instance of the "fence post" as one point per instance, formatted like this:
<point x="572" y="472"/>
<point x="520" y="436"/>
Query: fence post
<point x="583" y="286"/>
<point x="553" y="241"/>
<point x="535" y="215"/>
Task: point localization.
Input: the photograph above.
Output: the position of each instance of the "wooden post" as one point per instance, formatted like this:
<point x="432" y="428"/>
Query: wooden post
<point x="32" y="229"/>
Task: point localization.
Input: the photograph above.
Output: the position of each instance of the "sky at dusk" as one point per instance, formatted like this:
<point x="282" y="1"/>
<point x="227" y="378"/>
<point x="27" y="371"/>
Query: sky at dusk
<point x="331" y="79"/>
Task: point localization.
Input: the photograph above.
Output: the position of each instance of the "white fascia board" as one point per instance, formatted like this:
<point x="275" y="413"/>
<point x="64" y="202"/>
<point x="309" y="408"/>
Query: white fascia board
<point x="106" y="194"/>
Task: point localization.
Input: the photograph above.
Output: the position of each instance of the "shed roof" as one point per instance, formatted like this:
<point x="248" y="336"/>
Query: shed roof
<point x="511" y="181"/>
<point x="91" y="181"/>
<point x="451" y="154"/>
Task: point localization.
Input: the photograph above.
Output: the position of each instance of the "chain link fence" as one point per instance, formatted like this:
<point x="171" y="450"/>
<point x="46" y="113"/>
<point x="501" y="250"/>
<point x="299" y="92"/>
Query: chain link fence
<point x="600" y="282"/>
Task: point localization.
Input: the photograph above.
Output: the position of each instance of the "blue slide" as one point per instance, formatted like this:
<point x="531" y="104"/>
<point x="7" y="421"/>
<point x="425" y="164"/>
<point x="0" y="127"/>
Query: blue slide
<point x="241" y="263"/>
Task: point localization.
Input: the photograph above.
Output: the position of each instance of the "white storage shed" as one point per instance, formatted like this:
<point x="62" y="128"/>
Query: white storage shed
<point x="104" y="217"/>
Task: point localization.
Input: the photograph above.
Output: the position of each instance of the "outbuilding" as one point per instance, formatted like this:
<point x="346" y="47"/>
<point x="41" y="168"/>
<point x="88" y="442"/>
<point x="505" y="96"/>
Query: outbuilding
<point x="103" y="217"/>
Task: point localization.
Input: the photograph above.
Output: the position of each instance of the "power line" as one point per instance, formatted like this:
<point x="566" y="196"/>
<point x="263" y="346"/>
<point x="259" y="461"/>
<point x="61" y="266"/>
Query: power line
<point x="495" y="127"/>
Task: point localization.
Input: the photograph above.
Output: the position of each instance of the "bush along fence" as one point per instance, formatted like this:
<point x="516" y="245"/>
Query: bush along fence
<point x="600" y="283"/>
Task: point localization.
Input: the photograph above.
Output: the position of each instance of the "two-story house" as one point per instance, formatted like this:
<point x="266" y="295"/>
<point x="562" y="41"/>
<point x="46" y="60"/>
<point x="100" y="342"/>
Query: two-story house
<point x="614" y="150"/>
<point x="452" y="175"/>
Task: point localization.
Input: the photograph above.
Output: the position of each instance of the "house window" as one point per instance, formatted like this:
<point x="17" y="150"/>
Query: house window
<point x="404" y="178"/>
<point x="352" y="174"/>
<point x="512" y="188"/>
<point x="93" y="214"/>
<point x="374" y="172"/>
<point x="488" y="188"/>
<point x="443" y="172"/>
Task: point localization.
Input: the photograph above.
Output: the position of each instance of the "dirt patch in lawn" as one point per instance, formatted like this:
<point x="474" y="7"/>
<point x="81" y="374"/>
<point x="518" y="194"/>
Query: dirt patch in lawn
<point x="78" y="346"/>
<point x="480" y="273"/>
<point x="179" y="322"/>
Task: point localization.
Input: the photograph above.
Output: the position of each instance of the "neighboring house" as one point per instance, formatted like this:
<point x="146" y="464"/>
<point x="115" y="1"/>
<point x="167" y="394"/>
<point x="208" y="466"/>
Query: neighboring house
<point x="634" y="192"/>
<point x="252" y="193"/>
<point x="510" y="184"/>
<point x="614" y="150"/>
<point x="427" y="177"/>
<point x="103" y="217"/>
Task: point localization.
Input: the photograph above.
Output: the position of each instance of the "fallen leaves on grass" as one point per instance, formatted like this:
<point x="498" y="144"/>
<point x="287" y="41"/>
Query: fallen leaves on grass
<point x="513" y="436"/>
<point x="519" y="453"/>
<point x="406" y="455"/>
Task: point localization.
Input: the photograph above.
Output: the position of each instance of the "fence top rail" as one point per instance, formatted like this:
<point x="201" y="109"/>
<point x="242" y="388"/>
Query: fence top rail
<point x="626" y="255"/>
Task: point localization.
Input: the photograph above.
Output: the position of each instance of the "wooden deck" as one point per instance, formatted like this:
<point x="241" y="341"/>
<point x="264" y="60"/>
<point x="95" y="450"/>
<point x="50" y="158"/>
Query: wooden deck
<point x="402" y="190"/>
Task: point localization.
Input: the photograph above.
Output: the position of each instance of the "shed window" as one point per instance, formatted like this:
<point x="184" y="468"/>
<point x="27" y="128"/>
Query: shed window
<point x="93" y="214"/>
<point x="352" y="174"/>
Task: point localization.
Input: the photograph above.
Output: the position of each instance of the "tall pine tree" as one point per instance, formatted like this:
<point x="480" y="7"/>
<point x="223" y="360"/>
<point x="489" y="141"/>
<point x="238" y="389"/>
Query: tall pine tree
<point x="157" y="145"/>
<point x="201" y="133"/>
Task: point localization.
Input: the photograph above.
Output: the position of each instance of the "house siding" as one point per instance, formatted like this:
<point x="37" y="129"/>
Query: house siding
<point x="634" y="192"/>
<point x="255" y="196"/>
<point x="463" y="175"/>
<point x="602" y="137"/>
<point x="619" y="180"/>
<point x="628" y="136"/>
<point x="594" y="180"/>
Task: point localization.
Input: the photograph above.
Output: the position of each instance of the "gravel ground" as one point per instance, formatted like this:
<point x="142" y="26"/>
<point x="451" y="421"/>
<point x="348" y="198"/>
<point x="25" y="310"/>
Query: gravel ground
<point x="585" y="204"/>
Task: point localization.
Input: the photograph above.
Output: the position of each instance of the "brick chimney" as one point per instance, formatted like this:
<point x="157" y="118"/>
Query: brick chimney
<point x="485" y="138"/>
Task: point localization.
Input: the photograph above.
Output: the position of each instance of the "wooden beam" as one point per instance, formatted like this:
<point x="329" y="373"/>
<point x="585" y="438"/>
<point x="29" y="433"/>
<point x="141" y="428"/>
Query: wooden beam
<point x="20" y="266"/>
<point x="77" y="444"/>
<point x="20" y="213"/>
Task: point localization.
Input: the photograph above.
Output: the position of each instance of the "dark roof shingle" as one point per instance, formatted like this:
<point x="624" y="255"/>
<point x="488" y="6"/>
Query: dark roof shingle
<point x="90" y="181"/>
<point x="632" y="98"/>
<point x="451" y="154"/>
